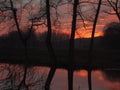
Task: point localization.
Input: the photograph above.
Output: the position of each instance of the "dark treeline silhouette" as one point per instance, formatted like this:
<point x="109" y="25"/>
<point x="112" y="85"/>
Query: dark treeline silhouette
<point x="29" y="39"/>
<point x="111" y="37"/>
<point x="12" y="40"/>
<point x="111" y="40"/>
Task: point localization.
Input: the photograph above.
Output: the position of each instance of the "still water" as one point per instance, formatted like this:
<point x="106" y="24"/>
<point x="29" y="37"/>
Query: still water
<point x="99" y="81"/>
<point x="36" y="77"/>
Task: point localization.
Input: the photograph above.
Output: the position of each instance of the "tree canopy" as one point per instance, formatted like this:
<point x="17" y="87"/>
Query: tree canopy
<point x="112" y="35"/>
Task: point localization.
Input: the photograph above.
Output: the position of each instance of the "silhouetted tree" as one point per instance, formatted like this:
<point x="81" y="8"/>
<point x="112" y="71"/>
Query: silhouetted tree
<point x="91" y="45"/>
<point x="71" y="46"/>
<point x="24" y="42"/>
<point x="111" y="36"/>
<point x="116" y="7"/>
<point x="50" y="47"/>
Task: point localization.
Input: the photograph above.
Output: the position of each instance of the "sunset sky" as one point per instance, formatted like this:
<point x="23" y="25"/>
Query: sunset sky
<point x="64" y="18"/>
<point x="61" y="22"/>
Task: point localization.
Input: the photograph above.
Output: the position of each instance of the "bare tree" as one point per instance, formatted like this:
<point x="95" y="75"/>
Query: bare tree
<point x="24" y="41"/>
<point x="50" y="48"/>
<point x="91" y="45"/>
<point x="115" y="4"/>
<point x="71" y="46"/>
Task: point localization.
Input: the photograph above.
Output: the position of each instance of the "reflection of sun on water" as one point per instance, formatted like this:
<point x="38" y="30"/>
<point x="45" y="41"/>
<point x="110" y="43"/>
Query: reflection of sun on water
<point x="97" y="74"/>
<point x="82" y="73"/>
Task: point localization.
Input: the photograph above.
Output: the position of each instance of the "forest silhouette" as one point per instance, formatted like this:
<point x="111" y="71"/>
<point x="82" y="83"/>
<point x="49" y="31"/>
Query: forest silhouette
<point x="58" y="51"/>
<point x="12" y="46"/>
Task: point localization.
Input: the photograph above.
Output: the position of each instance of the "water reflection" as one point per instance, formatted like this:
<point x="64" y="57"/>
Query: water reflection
<point x="99" y="81"/>
<point x="113" y="78"/>
<point x="112" y="75"/>
<point x="11" y="75"/>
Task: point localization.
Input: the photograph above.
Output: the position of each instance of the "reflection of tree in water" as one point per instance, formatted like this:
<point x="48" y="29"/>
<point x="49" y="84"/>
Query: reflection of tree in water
<point x="112" y="75"/>
<point x="11" y="76"/>
<point x="111" y="40"/>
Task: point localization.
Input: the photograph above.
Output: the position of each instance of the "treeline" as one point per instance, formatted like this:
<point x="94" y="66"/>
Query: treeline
<point x="12" y="40"/>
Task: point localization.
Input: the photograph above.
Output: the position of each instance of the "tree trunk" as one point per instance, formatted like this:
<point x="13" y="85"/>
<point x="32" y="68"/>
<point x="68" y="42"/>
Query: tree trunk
<point x="24" y="41"/>
<point x="50" y="48"/>
<point x="71" y="46"/>
<point x="91" y="46"/>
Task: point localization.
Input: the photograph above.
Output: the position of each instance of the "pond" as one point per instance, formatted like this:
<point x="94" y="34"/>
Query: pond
<point x="99" y="81"/>
<point x="11" y="75"/>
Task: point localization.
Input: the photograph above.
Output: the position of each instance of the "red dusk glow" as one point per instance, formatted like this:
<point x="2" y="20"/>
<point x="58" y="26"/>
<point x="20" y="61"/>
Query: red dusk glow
<point x="82" y="73"/>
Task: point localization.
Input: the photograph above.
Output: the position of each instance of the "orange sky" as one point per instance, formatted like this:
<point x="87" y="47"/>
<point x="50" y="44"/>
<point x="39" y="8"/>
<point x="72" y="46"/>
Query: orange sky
<point x="84" y="33"/>
<point x="65" y="20"/>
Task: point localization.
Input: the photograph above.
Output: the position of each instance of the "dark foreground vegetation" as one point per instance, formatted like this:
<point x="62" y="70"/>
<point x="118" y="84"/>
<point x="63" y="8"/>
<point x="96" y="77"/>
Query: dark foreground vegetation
<point x="103" y="56"/>
<point x="28" y="51"/>
<point x="101" y="59"/>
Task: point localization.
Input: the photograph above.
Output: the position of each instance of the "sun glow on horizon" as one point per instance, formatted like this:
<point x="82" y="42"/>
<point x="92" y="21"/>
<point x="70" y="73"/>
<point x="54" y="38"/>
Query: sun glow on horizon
<point x="87" y="34"/>
<point x="83" y="33"/>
